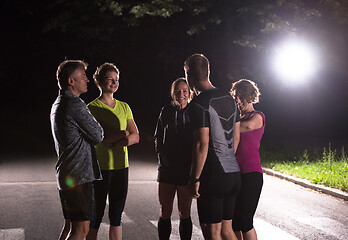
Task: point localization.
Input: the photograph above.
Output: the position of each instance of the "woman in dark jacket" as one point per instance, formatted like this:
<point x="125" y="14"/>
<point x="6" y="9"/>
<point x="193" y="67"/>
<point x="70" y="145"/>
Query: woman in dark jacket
<point x="173" y="144"/>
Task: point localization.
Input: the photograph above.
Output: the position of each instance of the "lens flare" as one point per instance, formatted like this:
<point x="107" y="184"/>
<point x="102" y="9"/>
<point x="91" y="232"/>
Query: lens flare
<point x="70" y="182"/>
<point x="295" y="61"/>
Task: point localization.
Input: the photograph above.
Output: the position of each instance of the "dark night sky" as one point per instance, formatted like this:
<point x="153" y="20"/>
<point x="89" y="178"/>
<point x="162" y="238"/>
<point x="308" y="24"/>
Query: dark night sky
<point x="150" y="58"/>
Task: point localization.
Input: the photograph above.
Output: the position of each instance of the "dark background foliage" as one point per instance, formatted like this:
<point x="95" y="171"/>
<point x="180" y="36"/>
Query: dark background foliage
<point x="150" y="40"/>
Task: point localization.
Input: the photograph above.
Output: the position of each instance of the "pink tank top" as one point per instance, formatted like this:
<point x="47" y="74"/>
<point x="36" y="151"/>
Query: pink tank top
<point x="248" y="156"/>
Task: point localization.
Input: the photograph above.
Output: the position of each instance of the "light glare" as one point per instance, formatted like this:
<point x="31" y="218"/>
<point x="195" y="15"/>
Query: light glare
<point x="295" y="62"/>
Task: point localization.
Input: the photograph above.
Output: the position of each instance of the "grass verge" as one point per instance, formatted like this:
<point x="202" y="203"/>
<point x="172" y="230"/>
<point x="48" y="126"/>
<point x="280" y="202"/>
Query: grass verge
<point x="326" y="167"/>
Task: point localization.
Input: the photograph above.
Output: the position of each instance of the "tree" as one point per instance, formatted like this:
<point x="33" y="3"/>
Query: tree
<point x="252" y="24"/>
<point x="260" y="18"/>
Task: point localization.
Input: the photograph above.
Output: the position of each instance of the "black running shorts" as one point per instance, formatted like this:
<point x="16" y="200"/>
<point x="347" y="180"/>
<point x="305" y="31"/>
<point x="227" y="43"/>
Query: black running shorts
<point x="77" y="202"/>
<point x="218" y="203"/>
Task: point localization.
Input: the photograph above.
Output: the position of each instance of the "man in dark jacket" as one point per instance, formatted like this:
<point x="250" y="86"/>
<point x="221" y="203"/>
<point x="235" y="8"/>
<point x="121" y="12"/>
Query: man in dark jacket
<point x="75" y="131"/>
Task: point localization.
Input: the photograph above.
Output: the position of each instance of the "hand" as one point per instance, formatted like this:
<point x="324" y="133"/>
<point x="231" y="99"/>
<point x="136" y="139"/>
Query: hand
<point x="194" y="187"/>
<point x="126" y="133"/>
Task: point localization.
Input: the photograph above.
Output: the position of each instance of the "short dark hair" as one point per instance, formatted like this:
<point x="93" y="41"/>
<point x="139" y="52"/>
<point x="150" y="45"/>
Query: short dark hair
<point x="102" y="70"/>
<point x="246" y="90"/>
<point x="197" y="66"/>
<point x="66" y="69"/>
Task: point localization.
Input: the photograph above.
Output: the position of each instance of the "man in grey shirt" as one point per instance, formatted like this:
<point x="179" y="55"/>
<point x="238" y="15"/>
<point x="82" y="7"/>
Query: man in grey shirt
<point x="75" y="131"/>
<point x="215" y="176"/>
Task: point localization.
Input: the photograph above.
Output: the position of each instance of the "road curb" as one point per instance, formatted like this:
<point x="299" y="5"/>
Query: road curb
<point x="305" y="183"/>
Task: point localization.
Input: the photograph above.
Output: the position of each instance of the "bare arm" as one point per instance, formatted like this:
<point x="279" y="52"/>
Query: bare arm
<point x="236" y="136"/>
<point x="255" y="122"/>
<point x="112" y="136"/>
<point x="132" y="137"/>
<point x="199" y="156"/>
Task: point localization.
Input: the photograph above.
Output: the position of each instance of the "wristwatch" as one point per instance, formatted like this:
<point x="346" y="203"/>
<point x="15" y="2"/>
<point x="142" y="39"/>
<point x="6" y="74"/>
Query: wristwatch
<point x="194" y="180"/>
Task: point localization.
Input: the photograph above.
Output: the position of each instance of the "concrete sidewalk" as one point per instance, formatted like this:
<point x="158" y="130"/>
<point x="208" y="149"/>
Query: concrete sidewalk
<point x="305" y="183"/>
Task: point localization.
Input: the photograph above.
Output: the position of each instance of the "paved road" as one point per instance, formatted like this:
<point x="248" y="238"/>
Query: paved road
<point x="30" y="207"/>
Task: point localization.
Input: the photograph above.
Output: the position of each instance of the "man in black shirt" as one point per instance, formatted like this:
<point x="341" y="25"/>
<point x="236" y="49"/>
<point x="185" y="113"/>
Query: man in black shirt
<point x="215" y="177"/>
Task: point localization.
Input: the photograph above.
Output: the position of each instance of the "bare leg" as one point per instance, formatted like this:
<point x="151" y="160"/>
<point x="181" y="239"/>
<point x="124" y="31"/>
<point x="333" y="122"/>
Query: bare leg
<point x="65" y="230"/>
<point x="184" y="207"/>
<point x="211" y="231"/>
<point x="227" y="232"/>
<point x="166" y="194"/>
<point x="239" y="235"/>
<point x="92" y="234"/>
<point x="79" y="230"/>
<point x="184" y="202"/>
<point x="250" y="235"/>
<point x="115" y="232"/>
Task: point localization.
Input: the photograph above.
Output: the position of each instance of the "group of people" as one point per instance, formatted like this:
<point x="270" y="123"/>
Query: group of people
<point x="207" y="147"/>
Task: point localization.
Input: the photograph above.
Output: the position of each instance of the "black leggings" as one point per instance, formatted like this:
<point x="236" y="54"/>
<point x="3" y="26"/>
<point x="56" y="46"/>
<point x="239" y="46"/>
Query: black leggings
<point x="114" y="184"/>
<point x="247" y="201"/>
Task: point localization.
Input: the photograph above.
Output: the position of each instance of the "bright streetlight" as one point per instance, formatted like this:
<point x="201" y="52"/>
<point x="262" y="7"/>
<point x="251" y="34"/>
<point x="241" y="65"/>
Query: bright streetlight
<point x="295" y="62"/>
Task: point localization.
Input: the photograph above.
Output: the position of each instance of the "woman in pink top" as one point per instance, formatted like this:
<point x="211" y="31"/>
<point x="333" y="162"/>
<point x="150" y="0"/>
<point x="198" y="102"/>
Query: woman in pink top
<point x="252" y="125"/>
